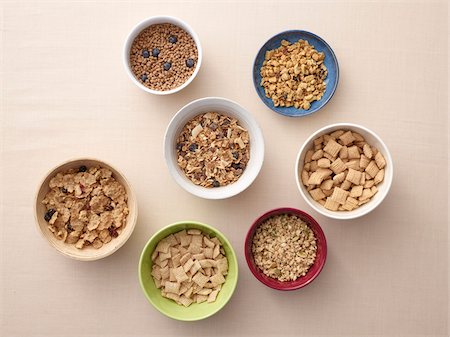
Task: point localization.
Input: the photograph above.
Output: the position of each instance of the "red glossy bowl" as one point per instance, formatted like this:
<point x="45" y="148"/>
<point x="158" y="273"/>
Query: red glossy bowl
<point x="315" y="269"/>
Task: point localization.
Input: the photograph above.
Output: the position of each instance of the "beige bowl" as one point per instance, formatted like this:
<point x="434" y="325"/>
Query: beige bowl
<point x="88" y="253"/>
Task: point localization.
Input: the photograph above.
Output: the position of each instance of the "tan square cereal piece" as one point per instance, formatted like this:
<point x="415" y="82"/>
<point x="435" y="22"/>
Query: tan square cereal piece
<point x="180" y="274"/>
<point x="216" y="251"/>
<point x="339" y="195"/>
<point x="339" y="178"/>
<point x="317" y="155"/>
<point x="372" y="169"/>
<point x="313" y="166"/>
<point x="356" y="191"/>
<point x="199" y="257"/>
<point x="338" y="166"/>
<point x="172" y="277"/>
<point x="200" y="279"/>
<point x="354" y="164"/>
<point x="379" y="177"/>
<point x="156" y="272"/>
<point x="172" y="296"/>
<point x="195" y="249"/>
<point x="347" y="138"/>
<point x="360" y="145"/>
<point x="308" y="156"/>
<point x="317" y="177"/>
<point x="369" y="183"/>
<point x="363" y="178"/>
<point x="367" y="151"/>
<point x="188" y="292"/>
<point x="336" y="134"/>
<point x="374" y="150"/>
<point x="185" y="240"/>
<point x="346" y="185"/>
<point x="171" y="287"/>
<point x="208" y="251"/>
<point x="194" y="231"/>
<point x="201" y="299"/>
<point x="222" y="265"/>
<point x="353" y="152"/>
<point x="328" y="193"/>
<point x="327" y="184"/>
<point x="353" y="176"/>
<point x="363" y="161"/>
<point x="318" y="140"/>
<point x="164" y="256"/>
<point x="205" y="291"/>
<point x="208" y="263"/>
<point x="358" y="137"/>
<point x="185" y="301"/>
<point x="165" y="273"/>
<point x="367" y="194"/>
<point x="197" y="240"/>
<point x="176" y="260"/>
<point x="374" y="190"/>
<point x="212" y="297"/>
<point x="187" y="266"/>
<point x="208" y="242"/>
<point x="179" y="234"/>
<point x="163" y="246"/>
<point x="317" y="194"/>
<point x="321" y="201"/>
<point x="350" y="204"/>
<point x="331" y="205"/>
<point x="324" y="163"/>
<point x="217" y="279"/>
<point x="362" y="202"/>
<point x="305" y="178"/>
<point x="332" y="148"/>
<point x="307" y="167"/>
<point x="327" y="156"/>
<point x="343" y="153"/>
<point x="185" y="257"/>
<point x="195" y="267"/>
<point x="317" y="147"/>
<point x="380" y="161"/>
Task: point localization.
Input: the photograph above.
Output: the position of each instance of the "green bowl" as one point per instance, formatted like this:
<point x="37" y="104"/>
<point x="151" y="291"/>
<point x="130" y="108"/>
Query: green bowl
<point x="196" y="311"/>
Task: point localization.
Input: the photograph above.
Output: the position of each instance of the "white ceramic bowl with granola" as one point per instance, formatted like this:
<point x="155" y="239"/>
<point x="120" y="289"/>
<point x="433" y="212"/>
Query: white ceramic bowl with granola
<point x="85" y="209"/>
<point x="344" y="171"/>
<point x="213" y="148"/>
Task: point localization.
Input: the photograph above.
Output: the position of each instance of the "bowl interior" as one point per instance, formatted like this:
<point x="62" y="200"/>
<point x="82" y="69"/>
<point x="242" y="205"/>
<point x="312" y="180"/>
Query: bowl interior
<point x="88" y="253"/>
<point x="168" y="307"/>
<point x="231" y="109"/>
<point x="153" y="21"/>
<point x="315" y="269"/>
<point x="330" y="62"/>
<point x="383" y="187"/>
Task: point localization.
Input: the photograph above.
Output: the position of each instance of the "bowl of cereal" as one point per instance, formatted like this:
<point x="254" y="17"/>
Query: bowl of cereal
<point x="295" y="73"/>
<point x="213" y="148"/>
<point x="162" y="55"/>
<point x="188" y="270"/>
<point x="344" y="171"/>
<point x="285" y="249"/>
<point x="85" y="209"/>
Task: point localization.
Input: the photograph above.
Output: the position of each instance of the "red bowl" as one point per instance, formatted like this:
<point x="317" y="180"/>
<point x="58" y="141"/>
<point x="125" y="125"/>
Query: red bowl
<point x="316" y="268"/>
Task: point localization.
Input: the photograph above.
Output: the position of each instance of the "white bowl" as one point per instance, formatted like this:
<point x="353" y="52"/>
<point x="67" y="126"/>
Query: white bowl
<point x="228" y="108"/>
<point x="383" y="188"/>
<point x="153" y="21"/>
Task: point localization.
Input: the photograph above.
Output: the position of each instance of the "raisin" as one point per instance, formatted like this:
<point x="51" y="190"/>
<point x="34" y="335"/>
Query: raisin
<point x="48" y="215"/>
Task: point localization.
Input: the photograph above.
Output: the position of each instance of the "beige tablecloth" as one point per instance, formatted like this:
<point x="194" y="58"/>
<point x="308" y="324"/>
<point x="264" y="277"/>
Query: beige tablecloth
<point x="64" y="94"/>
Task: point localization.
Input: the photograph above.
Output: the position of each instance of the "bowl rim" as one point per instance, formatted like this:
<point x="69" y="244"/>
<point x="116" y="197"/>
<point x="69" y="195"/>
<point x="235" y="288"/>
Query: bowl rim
<point x="333" y="89"/>
<point x="258" y="160"/>
<point x="130" y="222"/>
<point x="344" y="215"/>
<point x="200" y="224"/>
<point x="277" y="211"/>
<point x="139" y="27"/>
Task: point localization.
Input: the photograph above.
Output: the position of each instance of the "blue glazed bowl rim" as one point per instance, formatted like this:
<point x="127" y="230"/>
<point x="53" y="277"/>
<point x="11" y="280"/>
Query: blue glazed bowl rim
<point x="333" y="89"/>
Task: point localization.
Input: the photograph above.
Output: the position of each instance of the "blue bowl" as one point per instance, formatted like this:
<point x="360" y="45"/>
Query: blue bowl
<point x="330" y="62"/>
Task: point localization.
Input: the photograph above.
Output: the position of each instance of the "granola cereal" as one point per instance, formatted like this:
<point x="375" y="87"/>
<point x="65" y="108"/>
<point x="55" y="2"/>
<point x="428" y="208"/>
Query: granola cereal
<point x="355" y="169"/>
<point x="294" y="74"/>
<point x="189" y="266"/>
<point x="213" y="150"/>
<point x="163" y="56"/>
<point x="284" y="247"/>
<point x="86" y="206"/>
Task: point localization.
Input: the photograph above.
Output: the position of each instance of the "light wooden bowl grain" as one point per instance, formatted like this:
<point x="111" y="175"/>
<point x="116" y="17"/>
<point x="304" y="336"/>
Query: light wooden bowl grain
<point x="87" y="253"/>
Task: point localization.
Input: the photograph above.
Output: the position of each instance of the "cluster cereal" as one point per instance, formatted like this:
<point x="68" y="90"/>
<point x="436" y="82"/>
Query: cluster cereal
<point x="284" y="247"/>
<point x="163" y="56"/>
<point x="294" y="74"/>
<point x="213" y="150"/>
<point x="86" y="207"/>
<point x="342" y="170"/>
<point x="189" y="266"/>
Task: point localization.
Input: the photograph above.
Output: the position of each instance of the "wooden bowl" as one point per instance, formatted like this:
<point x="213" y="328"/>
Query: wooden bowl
<point x="88" y="253"/>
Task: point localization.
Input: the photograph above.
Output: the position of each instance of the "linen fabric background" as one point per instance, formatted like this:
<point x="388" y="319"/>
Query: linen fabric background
<point x="65" y="94"/>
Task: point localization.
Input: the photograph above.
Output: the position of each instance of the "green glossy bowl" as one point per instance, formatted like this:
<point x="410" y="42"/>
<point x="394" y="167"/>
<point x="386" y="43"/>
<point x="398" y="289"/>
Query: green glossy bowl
<point x="168" y="307"/>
